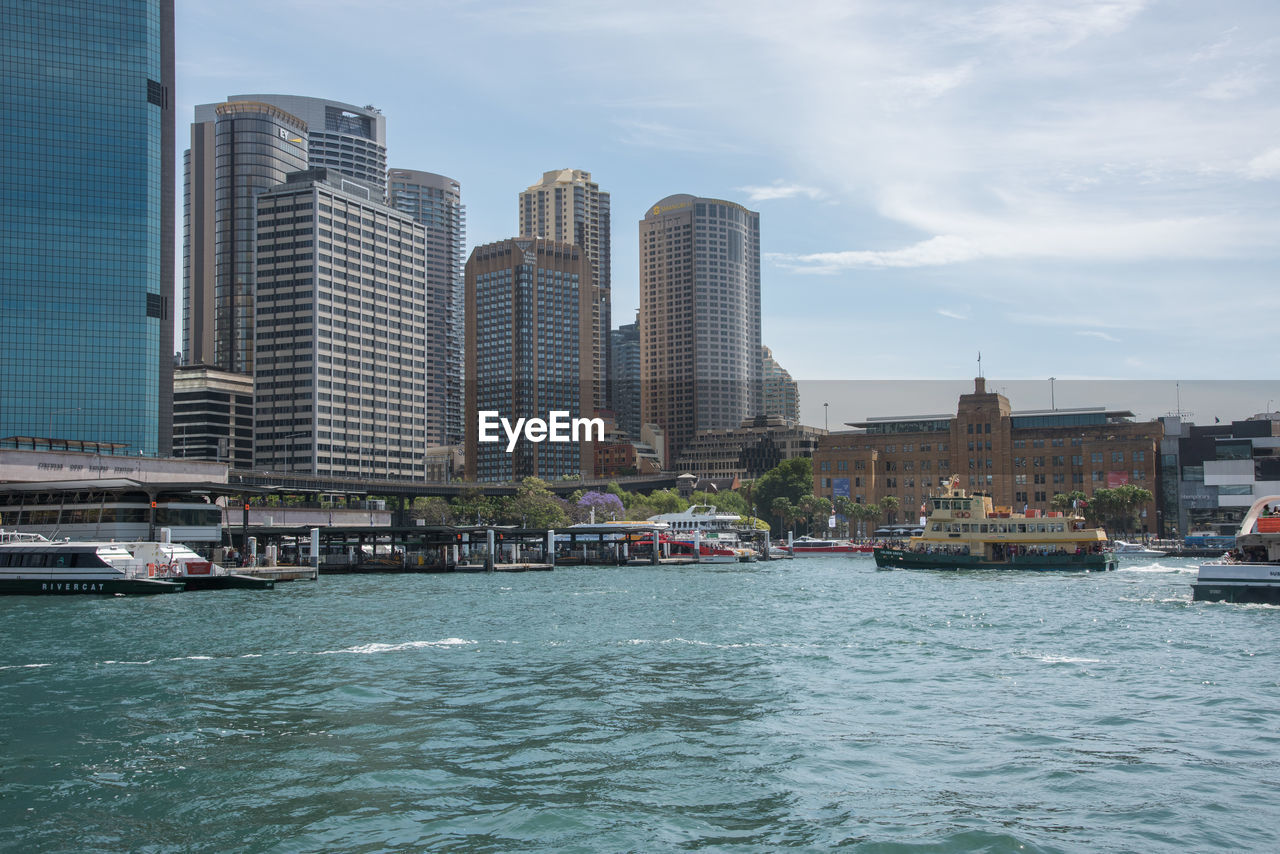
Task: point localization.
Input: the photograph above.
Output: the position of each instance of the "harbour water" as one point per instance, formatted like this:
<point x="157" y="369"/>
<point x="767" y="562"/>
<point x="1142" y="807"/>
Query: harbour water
<point x="807" y="704"/>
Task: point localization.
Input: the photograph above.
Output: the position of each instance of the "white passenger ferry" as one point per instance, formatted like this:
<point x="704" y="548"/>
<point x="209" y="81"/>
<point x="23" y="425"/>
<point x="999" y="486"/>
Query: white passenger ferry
<point x="31" y="564"/>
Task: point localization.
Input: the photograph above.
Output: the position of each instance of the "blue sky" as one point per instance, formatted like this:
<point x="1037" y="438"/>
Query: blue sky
<point x="1077" y="189"/>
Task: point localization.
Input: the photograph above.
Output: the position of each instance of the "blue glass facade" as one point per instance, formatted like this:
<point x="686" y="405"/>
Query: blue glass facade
<point x="86" y="204"/>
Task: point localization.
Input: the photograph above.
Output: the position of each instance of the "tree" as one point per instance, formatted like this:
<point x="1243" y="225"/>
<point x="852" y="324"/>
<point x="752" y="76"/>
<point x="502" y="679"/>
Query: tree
<point x="784" y="510"/>
<point x="889" y="505"/>
<point x="849" y="510"/>
<point x="605" y="504"/>
<point x="667" y="501"/>
<point x="815" y="511"/>
<point x="434" y="510"/>
<point x="1117" y="509"/>
<point x="473" y="507"/>
<point x="727" y="501"/>
<point x="1066" y="501"/>
<point x="791" y="479"/>
<point x="535" y="507"/>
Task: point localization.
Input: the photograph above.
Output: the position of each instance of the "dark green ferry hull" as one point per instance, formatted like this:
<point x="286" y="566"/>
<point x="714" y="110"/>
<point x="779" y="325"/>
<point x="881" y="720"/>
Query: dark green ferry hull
<point x="95" y="587"/>
<point x="230" y="581"/>
<point x="903" y="559"/>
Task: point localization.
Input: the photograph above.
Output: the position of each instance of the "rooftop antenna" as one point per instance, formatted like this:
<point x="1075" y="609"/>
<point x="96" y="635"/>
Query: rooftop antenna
<point x="979" y="363"/>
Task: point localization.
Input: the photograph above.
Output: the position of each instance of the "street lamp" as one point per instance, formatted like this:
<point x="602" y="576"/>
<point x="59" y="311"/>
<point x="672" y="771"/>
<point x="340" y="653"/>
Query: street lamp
<point x="825" y="425"/>
<point x="1052" y="403"/>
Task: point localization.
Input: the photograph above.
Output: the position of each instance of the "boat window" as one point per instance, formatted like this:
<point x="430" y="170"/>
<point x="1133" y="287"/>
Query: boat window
<point x="61" y="560"/>
<point x="1022" y="528"/>
<point x="982" y="529"/>
<point x="937" y="526"/>
<point x="965" y="528"/>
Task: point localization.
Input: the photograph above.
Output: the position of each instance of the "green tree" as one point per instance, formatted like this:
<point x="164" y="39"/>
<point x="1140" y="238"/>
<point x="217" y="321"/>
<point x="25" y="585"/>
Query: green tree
<point x="1117" y="509"/>
<point x="790" y="479"/>
<point x="473" y="507"/>
<point x="889" y="506"/>
<point x="849" y="510"/>
<point x="1066" y="501"/>
<point x="667" y="501"/>
<point x="726" y="502"/>
<point x="815" y="511"/>
<point x="433" y="510"/>
<point x="783" y="510"/>
<point x="534" y="506"/>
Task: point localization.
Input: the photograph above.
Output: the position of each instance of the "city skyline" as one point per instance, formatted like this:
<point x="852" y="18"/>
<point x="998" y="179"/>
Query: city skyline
<point x="1091" y="177"/>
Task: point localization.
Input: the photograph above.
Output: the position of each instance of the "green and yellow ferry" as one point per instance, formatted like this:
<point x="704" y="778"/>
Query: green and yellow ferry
<point x="964" y="531"/>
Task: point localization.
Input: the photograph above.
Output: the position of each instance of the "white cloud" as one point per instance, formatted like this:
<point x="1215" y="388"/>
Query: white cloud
<point x="1265" y="165"/>
<point x="954" y="315"/>
<point x="780" y="190"/>
<point x="1093" y="333"/>
<point x="928" y="253"/>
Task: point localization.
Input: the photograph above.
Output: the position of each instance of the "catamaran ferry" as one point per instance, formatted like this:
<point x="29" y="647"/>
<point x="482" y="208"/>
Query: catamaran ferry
<point x="31" y="564"/>
<point x="966" y="531"/>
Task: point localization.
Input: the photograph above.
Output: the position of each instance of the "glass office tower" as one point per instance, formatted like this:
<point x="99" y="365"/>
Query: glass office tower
<point x="86" y="223"/>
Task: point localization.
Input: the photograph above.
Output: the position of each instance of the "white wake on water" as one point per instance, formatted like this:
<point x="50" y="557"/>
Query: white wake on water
<point x="371" y="648"/>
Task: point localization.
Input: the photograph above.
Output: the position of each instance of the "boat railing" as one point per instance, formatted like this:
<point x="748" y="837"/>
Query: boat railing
<point x="21" y="537"/>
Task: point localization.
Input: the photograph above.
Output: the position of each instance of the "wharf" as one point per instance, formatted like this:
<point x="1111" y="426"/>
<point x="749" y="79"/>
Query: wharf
<point x="281" y="573"/>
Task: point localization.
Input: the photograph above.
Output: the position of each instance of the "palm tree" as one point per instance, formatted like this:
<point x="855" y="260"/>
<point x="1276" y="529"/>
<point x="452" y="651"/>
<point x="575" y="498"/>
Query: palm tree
<point x="889" y="504"/>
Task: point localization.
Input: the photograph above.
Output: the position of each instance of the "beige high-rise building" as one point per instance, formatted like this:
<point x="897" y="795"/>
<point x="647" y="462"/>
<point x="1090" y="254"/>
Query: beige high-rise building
<point x="700" y="365"/>
<point x="568" y="207"/>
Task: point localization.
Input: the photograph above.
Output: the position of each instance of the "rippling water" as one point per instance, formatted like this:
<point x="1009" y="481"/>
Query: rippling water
<point x="801" y="704"/>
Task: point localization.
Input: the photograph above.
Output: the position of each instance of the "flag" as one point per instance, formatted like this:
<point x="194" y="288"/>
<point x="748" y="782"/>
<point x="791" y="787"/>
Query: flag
<point x="1216" y="420"/>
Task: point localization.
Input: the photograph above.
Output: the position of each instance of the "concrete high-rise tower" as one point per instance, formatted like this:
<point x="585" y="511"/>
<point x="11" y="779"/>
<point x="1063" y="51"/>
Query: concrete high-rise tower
<point x="700" y="351"/>
<point x="86" y="247"/>
<point x="339" y="373"/>
<point x="781" y="394"/>
<point x="567" y="206"/>
<point x="436" y="202"/>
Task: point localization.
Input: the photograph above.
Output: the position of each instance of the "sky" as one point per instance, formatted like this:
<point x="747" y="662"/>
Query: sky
<point x="1084" y="190"/>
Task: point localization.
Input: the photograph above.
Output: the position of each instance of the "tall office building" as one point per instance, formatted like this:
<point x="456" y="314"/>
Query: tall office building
<point x="350" y="139"/>
<point x="238" y="150"/>
<point x="567" y="206"/>
<point x="529" y="341"/>
<point x="87" y="207"/>
<point x="624" y="362"/>
<point x="436" y="202"/>
<point x="781" y="394"/>
<point x="340" y="361"/>
<point x="699" y="317"/>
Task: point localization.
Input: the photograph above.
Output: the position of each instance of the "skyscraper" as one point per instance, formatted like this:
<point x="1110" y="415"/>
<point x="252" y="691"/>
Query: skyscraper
<point x="87" y="209"/>
<point x="530" y="346"/>
<point x="566" y="205"/>
<point x="699" y="317"/>
<point x="340" y="367"/>
<point x="238" y="150"/>
<point x="781" y="394"/>
<point x="342" y="137"/>
<point x="436" y="202"/>
<point x="624" y="362"/>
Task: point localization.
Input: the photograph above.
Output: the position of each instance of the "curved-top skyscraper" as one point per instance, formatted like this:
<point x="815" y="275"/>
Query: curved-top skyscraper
<point x="699" y="317"/>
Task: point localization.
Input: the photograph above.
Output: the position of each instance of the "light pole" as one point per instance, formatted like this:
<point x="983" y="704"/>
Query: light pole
<point x="825" y="425"/>
<point x="1052" y="403"/>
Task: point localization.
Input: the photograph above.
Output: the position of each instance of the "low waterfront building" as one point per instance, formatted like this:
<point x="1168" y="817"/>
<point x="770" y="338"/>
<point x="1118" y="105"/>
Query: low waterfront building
<point x="213" y="415"/>
<point x="1022" y="459"/>
<point x="1210" y="475"/>
<point x="749" y="450"/>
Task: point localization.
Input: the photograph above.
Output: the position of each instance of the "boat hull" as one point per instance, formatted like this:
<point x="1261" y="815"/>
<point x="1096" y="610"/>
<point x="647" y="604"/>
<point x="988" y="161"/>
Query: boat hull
<point x="230" y="581"/>
<point x="904" y="559"/>
<point x="85" y="587"/>
<point x="1257" y="584"/>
